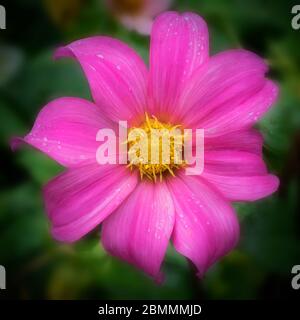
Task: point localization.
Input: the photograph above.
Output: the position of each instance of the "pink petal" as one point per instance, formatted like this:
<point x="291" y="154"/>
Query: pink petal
<point x="239" y="176"/>
<point x="244" y="188"/>
<point x="80" y="199"/>
<point x="179" y="45"/>
<point x="242" y="116"/>
<point x="206" y="227"/>
<point x="139" y="230"/>
<point x="116" y="74"/>
<point x="244" y="140"/>
<point x="233" y="163"/>
<point x="66" y="130"/>
<point x="229" y="90"/>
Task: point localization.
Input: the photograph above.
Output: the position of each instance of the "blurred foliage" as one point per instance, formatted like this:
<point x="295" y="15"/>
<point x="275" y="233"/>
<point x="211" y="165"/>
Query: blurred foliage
<point x="39" y="267"/>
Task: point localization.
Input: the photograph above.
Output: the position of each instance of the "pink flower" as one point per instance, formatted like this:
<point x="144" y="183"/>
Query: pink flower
<point x="138" y="14"/>
<point x="226" y="94"/>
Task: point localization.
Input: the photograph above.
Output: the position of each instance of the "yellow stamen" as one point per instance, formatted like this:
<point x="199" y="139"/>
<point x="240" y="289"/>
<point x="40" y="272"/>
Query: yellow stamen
<point x="146" y="167"/>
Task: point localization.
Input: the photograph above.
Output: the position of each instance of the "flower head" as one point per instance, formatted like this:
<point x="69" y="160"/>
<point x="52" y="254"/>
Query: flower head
<point x="225" y="94"/>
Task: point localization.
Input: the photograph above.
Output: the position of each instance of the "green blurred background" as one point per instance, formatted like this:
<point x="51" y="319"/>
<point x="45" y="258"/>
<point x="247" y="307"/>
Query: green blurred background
<point x="39" y="267"/>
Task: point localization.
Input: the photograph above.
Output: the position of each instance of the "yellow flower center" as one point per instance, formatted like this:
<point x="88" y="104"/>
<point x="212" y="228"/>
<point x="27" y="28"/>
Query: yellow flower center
<point x="155" y="148"/>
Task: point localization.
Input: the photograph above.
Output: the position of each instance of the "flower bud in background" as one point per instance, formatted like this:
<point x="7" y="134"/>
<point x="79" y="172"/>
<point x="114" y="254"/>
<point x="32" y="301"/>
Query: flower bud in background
<point x="63" y="13"/>
<point x="137" y="15"/>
